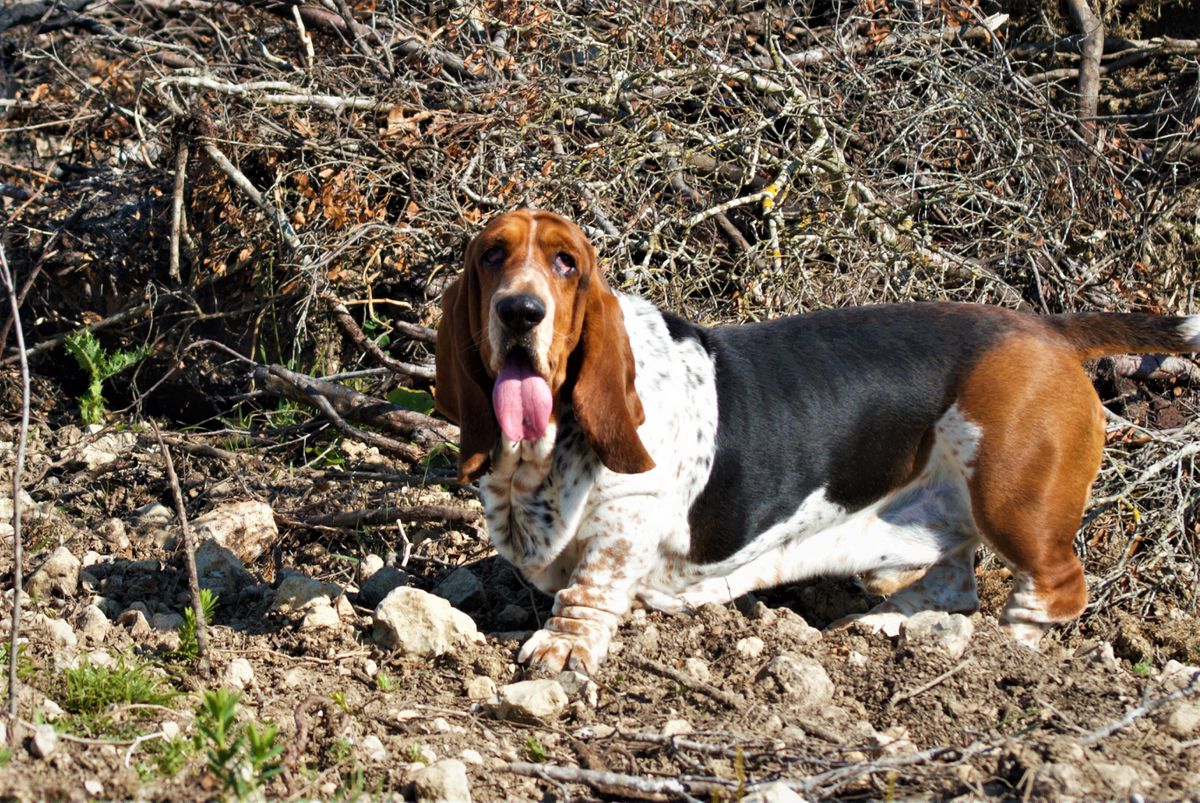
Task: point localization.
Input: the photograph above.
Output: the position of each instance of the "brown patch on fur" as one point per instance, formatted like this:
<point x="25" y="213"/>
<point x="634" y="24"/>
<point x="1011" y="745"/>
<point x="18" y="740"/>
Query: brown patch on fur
<point x="1043" y="433"/>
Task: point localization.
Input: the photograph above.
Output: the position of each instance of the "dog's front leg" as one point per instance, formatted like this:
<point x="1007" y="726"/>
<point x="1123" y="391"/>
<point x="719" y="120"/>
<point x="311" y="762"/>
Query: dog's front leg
<point x="618" y="544"/>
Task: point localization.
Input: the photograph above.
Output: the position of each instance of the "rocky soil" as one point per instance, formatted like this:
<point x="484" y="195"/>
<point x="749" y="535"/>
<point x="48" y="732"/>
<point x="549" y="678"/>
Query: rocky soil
<point x="385" y="656"/>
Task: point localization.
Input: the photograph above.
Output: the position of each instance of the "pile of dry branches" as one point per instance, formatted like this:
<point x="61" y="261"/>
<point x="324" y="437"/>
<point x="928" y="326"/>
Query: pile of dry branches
<point x="178" y="169"/>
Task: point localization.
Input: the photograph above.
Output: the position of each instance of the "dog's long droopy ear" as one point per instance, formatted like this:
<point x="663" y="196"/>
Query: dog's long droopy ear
<point x="605" y="400"/>
<point x="463" y="387"/>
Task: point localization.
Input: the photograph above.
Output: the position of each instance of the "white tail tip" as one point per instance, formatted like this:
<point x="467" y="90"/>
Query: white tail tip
<point x="1190" y="329"/>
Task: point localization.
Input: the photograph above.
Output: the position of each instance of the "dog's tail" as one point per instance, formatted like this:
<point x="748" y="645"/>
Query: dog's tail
<point x="1097" y="333"/>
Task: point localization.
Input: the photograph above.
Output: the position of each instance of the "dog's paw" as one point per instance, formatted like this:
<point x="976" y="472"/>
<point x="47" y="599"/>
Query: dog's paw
<point x="552" y="651"/>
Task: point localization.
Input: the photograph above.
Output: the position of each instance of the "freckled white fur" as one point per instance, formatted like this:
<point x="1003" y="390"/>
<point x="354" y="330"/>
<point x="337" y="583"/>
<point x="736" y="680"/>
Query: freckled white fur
<point x="1190" y="329"/>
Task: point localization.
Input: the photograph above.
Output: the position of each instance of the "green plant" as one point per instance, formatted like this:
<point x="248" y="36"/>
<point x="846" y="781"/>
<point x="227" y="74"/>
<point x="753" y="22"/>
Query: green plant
<point x="5" y="756"/>
<point x="244" y="756"/>
<point x="416" y="753"/>
<point x="88" y="690"/>
<point x="165" y="758"/>
<point x="339" y="699"/>
<point x="384" y="682"/>
<point x="535" y="750"/>
<point x="100" y="366"/>
<point x="189" y="648"/>
<point x="1142" y="667"/>
<point x="416" y="400"/>
<point x="25" y="666"/>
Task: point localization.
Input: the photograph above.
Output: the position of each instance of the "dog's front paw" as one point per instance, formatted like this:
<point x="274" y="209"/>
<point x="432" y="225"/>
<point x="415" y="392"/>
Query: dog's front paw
<point x="566" y="643"/>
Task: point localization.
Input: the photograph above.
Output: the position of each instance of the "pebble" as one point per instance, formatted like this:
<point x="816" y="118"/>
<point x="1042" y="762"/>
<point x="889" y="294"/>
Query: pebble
<point x="421" y="625"/>
<point x="750" y="647"/>
<point x="948" y="632"/>
<point x="373" y="747"/>
<point x="698" y="669"/>
<point x="247" y="528"/>
<point x="676" y="727"/>
<point x="298" y="591"/>
<point x="462" y="588"/>
<point x="797" y="678"/>
<point x="239" y="674"/>
<point x="443" y="782"/>
<point x="470" y="756"/>
<point x="93" y="787"/>
<point x="321" y="616"/>
<point x="530" y="701"/>
<point x="45" y="741"/>
<point x="480" y="687"/>
<point x="58" y="575"/>
<point x="368" y="566"/>
<point x="776" y="792"/>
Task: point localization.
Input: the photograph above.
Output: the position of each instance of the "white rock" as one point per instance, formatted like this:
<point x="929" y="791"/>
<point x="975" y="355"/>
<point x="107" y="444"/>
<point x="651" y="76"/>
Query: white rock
<point x="577" y="684"/>
<point x="891" y="742"/>
<point x="443" y="782"/>
<point x="470" y="756"/>
<point x="481" y="687"/>
<point x="530" y="701"/>
<point x="370" y="668"/>
<point x="373" y="747"/>
<point x="345" y="608"/>
<point x="294" y="678"/>
<point x="798" y="678"/>
<point x="60" y="632"/>
<point x="321" y="616"/>
<point x="1184" y="720"/>
<point x="239" y="674"/>
<point x="220" y="570"/>
<point x="1098" y="654"/>
<point x="45" y="741"/>
<point x="791" y="627"/>
<point x="369" y="565"/>
<point x="676" y="727"/>
<point x="856" y="659"/>
<point x="1123" y="779"/>
<point x="51" y="710"/>
<point x="698" y="669"/>
<point x="297" y="591"/>
<point x="59" y="574"/>
<point x="105" y="449"/>
<point x="1175" y="675"/>
<point x="169" y="728"/>
<point x="1060" y="779"/>
<point x="93" y="787"/>
<point x="750" y="647"/>
<point x="100" y="658"/>
<point x="112" y="532"/>
<point x="166" y="621"/>
<point x="154" y="513"/>
<point x="134" y="620"/>
<point x="776" y="792"/>
<point x="247" y="529"/>
<point x="421" y="624"/>
<point x="948" y="632"/>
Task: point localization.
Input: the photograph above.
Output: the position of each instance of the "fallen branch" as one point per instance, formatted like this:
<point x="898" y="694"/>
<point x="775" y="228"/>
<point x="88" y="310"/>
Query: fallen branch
<point x="381" y="516"/>
<point x="350" y="326"/>
<point x="901" y="696"/>
<point x="422" y="429"/>
<point x="25" y="13"/>
<point x="628" y="786"/>
<point x="1156" y="368"/>
<point x="1091" y="29"/>
<point x="720" y="695"/>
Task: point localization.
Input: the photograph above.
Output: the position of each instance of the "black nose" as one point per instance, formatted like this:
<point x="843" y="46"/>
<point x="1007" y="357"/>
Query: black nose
<point x="520" y="313"/>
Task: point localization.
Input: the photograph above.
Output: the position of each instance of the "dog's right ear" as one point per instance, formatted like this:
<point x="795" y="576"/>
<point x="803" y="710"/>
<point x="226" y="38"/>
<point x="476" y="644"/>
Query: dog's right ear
<point x="463" y="391"/>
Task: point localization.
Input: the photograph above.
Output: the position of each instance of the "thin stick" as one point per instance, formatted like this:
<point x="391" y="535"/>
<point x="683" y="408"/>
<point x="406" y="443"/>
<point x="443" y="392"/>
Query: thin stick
<point x="23" y="433"/>
<point x="901" y="696"/>
<point x="181" y="157"/>
<point x="622" y="785"/>
<point x="720" y="695"/>
<point x="368" y="345"/>
<point x="1141" y="711"/>
<point x="189" y="552"/>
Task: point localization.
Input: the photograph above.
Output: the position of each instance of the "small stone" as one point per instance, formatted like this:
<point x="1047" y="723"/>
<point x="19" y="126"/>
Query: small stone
<point x="368" y="566"/>
<point x="239" y="674"/>
<point x="45" y="741"/>
<point x="51" y="710"/>
<point x="891" y="742"/>
<point x="1058" y="780"/>
<point x="294" y="678"/>
<point x="791" y="627"/>
<point x="370" y="668"/>
<point x="513" y="615"/>
<point x="676" y="727"/>
<point x="112" y="532"/>
<point x="1176" y="676"/>
<point x="577" y="684"/>
<point x="154" y="513"/>
<point x="1184" y="720"/>
<point x="530" y="701"/>
<point x="1122" y="779"/>
<point x="93" y="787"/>
<point x="422" y="625"/>
<point x="134" y="620"/>
<point x="321" y="616"/>
<point x="170" y="729"/>
<point x="373" y="747"/>
<point x="750" y="647"/>
<point x="461" y="589"/>
<point x="948" y="632"/>
<point x="856" y="659"/>
<point x="166" y="621"/>
<point x="105" y="449"/>
<point x="1098" y="654"/>
<point x="57" y="576"/>
<point x="381" y="583"/>
<point x="481" y="687"/>
<point x="247" y="529"/>
<point x="443" y="782"/>
<point x="698" y="669"/>
<point x="220" y="570"/>
<point x="797" y="678"/>
<point x="297" y="591"/>
<point x="470" y="756"/>
<point x="776" y="792"/>
<point x="60" y="632"/>
<point x="344" y="608"/>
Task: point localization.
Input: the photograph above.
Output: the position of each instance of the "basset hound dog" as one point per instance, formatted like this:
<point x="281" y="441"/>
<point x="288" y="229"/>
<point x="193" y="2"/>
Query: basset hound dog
<point x="627" y="456"/>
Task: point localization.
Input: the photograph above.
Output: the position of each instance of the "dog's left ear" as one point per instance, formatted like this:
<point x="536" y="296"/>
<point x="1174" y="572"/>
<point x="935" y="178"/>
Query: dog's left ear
<point x="463" y="385"/>
<point x="606" y="403"/>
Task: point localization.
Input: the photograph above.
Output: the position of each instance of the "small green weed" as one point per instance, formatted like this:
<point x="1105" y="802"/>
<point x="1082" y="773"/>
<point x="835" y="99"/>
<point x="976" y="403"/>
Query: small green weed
<point x="88" y="690"/>
<point x="416" y="400"/>
<point x="100" y="367"/>
<point x="1142" y="667"/>
<point x="5" y="756"/>
<point x="339" y="699"/>
<point x="416" y="753"/>
<point x="384" y="682"/>
<point x="535" y="750"/>
<point x="165" y="758"/>
<point x="25" y="667"/>
<point x="189" y="648"/>
<point x="244" y="756"/>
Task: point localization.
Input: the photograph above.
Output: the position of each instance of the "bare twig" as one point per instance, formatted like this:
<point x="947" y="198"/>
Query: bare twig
<point x="901" y="696"/>
<point x="10" y="291"/>
<point x="1140" y="711"/>
<point x="189" y="552"/>
<point x="181" y="157"/>
<point x="708" y="690"/>
<point x="1091" y="29"/>
<point x="360" y="339"/>
<point x="387" y="515"/>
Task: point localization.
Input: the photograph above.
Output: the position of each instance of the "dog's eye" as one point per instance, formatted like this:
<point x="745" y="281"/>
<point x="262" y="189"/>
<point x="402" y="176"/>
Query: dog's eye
<point x="564" y="263"/>
<point x="494" y="256"/>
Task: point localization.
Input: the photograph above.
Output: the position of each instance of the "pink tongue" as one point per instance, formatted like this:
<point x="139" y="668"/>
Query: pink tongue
<point x="522" y="402"/>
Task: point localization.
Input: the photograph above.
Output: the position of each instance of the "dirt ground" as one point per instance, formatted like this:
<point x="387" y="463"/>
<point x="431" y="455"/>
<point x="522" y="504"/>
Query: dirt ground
<point x="701" y="697"/>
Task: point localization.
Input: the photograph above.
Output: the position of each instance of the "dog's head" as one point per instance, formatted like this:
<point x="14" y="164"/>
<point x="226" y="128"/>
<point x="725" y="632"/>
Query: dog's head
<point x="529" y="329"/>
